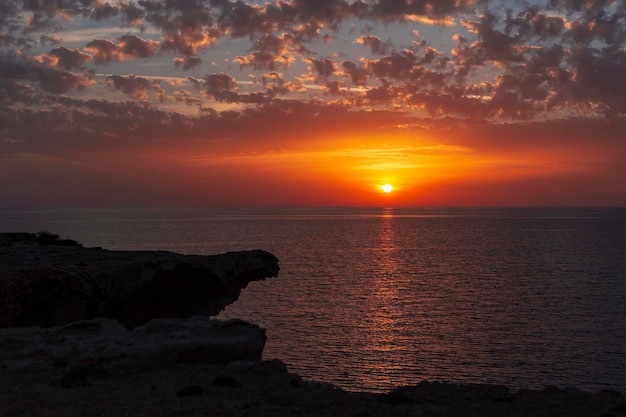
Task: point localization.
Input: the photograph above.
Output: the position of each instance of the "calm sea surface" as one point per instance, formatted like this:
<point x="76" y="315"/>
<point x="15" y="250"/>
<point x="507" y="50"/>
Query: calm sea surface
<point x="373" y="298"/>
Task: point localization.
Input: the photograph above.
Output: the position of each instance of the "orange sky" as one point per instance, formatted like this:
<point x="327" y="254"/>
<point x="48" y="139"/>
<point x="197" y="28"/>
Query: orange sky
<point x="305" y="103"/>
<point x="424" y="171"/>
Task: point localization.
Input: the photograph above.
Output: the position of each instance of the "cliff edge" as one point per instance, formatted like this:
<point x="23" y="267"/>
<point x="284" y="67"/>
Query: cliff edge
<point x="46" y="281"/>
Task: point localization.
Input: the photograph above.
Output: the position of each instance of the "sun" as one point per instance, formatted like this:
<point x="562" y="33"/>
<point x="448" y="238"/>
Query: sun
<point x="387" y="188"/>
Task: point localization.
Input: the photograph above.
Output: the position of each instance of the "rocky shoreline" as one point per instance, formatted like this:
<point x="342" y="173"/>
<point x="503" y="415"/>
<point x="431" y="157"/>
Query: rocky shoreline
<point x="89" y="357"/>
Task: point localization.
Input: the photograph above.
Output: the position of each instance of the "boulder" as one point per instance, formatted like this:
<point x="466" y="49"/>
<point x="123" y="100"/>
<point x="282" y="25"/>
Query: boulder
<point x="96" y="348"/>
<point x="47" y="282"/>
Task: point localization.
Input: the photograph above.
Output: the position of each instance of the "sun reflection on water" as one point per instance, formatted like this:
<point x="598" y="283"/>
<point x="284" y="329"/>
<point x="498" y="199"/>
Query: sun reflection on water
<point x="384" y="312"/>
<point x="386" y="297"/>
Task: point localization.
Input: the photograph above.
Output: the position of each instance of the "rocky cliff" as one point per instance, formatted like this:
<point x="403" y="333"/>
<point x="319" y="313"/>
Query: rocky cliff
<point x="46" y="281"/>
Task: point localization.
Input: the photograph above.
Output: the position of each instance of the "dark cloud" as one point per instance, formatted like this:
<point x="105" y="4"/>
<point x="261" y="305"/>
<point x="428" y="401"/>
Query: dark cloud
<point x="59" y="82"/>
<point x="324" y="10"/>
<point x="9" y="10"/>
<point x="187" y="26"/>
<point x="377" y="46"/>
<point x="357" y="74"/>
<point x="534" y="23"/>
<point x="520" y="63"/>
<point x="221" y="87"/>
<point x="103" y="11"/>
<point x="14" y="91"/>
<point x="385" y="94"/>
<point x="52" y="40"/>
<point x="16" y="69"/>
<point x="189" y="42"/>
<point x="396" y="65"/>
<point x="599" y="80"/>
<point x="136" y="47"/>
<point x="244" y="20"/>
<point x="397" y="10"/>
<point x="187" y="62"/>
<point x="81" y="125"/>
<point x="70" y="58"/>
<point x="87" y="125"/>
<point x="127" y="47"/>
<point x="333" y="88"/>
<point x="6" y="39"/>
<point x="307" y="32"/>
<point x="492" y="44"/>
<point x="132" y="15"/>
<point x="275" y="85"/>
<point x="137" y="87"/>
<point x="271" y="52"/>
<point x="49" y="14"/>
<point x="323" y="68"/>
<point x="104" y="50"/>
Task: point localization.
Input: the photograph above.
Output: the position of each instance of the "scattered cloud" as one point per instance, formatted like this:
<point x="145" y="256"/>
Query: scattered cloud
<point x="239" y="67"/>
<point x="127" y="47"/>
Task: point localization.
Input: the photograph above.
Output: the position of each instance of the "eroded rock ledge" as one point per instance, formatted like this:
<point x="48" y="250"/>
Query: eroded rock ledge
<point x="46" y="281"/>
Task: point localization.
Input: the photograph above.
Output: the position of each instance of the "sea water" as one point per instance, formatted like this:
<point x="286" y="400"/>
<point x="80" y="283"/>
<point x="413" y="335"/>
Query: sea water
<point x="372" y="298"/>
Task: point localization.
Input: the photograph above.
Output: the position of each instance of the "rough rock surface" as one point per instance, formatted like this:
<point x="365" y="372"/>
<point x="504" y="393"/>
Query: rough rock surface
<point x="105" y="345"/>
<point x="202" y="367"/>
<point x="45" y="281"/>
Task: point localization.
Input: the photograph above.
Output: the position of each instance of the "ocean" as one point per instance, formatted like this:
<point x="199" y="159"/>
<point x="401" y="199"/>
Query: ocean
<point x="372" y="298"/>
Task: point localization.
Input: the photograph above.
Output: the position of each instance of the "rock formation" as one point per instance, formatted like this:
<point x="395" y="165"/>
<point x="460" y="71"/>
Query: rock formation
<point x="46" y="282"/>
<point x="92" y="349"/>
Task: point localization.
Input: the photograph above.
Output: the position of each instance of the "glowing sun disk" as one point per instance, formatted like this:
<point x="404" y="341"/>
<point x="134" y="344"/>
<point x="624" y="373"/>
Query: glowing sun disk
<point x="387" y="188"/>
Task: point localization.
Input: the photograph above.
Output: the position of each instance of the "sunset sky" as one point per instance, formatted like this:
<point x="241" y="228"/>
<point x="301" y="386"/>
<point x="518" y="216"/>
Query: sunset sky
<point x="312" y="103"/>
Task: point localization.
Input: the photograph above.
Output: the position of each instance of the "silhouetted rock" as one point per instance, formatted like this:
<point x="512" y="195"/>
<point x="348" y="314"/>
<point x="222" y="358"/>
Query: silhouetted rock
<point x="46" y="281"/>
<point x="190" y="391"/>
<point x="101" y="347"/>
<point x="226" y="381"/>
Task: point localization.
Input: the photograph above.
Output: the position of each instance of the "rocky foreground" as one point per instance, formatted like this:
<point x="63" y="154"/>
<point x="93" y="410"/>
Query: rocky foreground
<point x="172" y="362"/>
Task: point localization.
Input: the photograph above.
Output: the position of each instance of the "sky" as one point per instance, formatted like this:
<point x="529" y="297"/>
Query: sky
<point x="471" y="103"/>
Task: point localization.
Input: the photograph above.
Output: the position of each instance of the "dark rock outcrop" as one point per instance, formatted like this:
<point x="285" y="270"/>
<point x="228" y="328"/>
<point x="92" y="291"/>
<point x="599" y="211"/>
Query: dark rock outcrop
<point x="46" y="282"/>
<point x="102" y="347"/>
